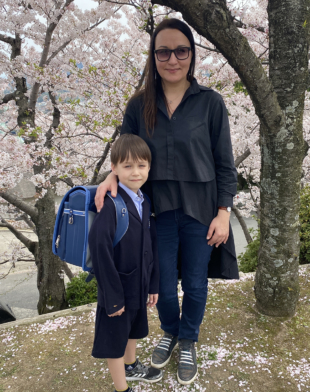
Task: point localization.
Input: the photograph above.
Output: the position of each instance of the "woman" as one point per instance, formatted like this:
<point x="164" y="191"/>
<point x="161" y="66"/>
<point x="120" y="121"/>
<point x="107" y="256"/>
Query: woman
<point x="191" y="183"/>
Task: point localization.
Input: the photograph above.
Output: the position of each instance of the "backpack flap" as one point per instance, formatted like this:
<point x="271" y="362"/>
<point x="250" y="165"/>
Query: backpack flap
<point x="72" y="226"/>
<point x="76" y="228"/>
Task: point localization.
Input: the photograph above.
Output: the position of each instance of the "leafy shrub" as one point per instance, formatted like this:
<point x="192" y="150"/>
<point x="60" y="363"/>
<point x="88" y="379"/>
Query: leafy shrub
<point x="248" y="259"/>
<point x="79" y="292"/>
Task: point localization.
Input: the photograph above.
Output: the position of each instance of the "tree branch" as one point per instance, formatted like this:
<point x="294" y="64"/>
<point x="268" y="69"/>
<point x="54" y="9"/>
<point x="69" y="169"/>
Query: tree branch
<point x="242" y="224"/>
<point x="242" y="157"/>
<point x="141" y="79"/>
<point x="31" y="245"/>
<point x="242" y="25"/>
<point x="6" y="39"/>
<point x="55" y="53"/>
<point x="121" y="3"/>
<point x="7" y="261"/>
<point x="8" y="97"/>
<point x="56" y="111"/>
<point x="19" y="203"/>
<point x="101" y="177"/>
<point x="207" y="48"/>
<point x="67" y="270"/>
<point x="65" y="44"/>
<point x="67" y="181"/>
<point x="4" y="276"/>
<point x="104" y="155"/>
<point x="25" y="218"/>
<point x="46" y="47"/>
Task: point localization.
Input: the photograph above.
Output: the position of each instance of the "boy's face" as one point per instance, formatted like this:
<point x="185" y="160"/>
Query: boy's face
<point x="132" y="174"/>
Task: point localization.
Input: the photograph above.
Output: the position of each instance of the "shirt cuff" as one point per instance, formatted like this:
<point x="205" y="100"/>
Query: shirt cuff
<point x="225" y="200"/>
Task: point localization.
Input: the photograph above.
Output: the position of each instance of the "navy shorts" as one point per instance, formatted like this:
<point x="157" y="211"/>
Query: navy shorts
<point x="112" y="333"/>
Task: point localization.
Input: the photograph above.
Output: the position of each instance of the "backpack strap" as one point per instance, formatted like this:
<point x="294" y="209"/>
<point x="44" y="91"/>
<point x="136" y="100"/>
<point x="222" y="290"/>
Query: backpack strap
<point x="122" y="218"/>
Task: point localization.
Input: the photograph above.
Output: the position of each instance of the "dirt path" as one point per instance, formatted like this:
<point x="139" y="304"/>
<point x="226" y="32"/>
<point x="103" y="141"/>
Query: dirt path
<point x="239" y="349"/>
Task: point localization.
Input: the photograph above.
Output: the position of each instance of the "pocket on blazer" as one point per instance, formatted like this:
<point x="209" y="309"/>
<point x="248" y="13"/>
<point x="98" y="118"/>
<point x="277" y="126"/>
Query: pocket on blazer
<point x="129" y="281"/>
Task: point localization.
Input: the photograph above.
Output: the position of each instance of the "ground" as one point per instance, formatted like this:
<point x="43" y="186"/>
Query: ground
<point x="238" y="350"/>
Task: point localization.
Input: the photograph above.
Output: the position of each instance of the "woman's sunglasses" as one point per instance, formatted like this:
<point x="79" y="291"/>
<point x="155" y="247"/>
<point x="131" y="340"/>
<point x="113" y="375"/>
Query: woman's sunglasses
<point x="165" y="54"/>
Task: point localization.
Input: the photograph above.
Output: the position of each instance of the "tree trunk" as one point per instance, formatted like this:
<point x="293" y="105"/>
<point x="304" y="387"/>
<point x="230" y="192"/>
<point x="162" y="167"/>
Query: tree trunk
<point x="50" y="281"/>
<point x="283" y="150"/>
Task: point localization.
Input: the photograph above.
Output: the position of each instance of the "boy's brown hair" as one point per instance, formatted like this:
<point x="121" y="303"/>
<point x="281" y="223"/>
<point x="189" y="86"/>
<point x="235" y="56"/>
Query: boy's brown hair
<point x="130" y="146"/>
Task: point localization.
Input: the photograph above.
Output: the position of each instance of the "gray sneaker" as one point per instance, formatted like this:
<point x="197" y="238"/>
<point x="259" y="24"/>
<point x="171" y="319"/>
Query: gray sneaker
<point x="143" y="373"/>
<point x="187" y="368"/>
<point x="163" y="351"/>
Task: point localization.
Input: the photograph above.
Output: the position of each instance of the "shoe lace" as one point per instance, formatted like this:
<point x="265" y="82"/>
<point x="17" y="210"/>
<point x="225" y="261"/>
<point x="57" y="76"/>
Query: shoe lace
<point x="165" y="343"/>
<point x="186" y="355"/>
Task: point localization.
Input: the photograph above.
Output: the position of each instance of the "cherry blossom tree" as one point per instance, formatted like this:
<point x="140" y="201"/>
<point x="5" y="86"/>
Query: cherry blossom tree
<point x="39" y="38"/>
<point x="68" y="77"/>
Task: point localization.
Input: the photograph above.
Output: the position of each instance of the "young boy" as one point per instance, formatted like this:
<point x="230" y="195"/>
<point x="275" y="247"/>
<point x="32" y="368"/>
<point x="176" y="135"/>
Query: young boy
<point x="128" y="273"/>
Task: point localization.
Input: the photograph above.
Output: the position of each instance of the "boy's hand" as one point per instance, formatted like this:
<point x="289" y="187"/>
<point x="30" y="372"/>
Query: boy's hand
<point x="153" y="298"/>
<point x="121" y="311"/>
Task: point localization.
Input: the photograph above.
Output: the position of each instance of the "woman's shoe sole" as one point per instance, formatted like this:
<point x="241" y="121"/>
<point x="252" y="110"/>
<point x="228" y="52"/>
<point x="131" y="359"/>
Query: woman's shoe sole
<point x="182" y="382"/>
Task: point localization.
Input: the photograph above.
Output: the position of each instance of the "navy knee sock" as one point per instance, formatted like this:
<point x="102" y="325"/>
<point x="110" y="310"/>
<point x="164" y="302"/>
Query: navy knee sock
<point x="126" y="390"/>
<point x="130" y="366"/>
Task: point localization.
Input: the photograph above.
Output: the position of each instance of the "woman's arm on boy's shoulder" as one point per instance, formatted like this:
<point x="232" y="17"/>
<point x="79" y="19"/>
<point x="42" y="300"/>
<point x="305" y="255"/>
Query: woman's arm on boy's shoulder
<point x="102" y="254"/>
<point x="154" y="281"/>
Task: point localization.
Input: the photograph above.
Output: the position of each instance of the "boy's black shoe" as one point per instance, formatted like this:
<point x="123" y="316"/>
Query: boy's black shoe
<point x="187" y="368"/>
<point x="129" y="390"/>
<point x="163" y="351"/>
<point x="143" y="373"/>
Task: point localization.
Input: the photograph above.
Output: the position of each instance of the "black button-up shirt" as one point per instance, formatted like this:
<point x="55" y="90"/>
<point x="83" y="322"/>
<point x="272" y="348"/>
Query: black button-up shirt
<point x="192" y="161"/>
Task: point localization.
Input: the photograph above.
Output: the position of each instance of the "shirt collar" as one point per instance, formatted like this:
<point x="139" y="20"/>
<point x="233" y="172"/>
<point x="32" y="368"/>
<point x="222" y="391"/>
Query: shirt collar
<point x="134" y="196"/>
<point x="194" y="88"/>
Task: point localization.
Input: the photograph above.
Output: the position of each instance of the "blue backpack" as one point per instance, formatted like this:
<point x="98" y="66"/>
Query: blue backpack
<point x="73" y="222"/>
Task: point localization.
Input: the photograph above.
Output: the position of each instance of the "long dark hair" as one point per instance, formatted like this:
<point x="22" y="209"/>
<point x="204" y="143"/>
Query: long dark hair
<point x="153" y="87"/>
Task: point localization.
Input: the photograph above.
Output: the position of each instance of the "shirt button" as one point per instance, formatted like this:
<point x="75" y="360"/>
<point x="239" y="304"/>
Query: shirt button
<point x="174" y="118"/>
<point x="145" y="253"/>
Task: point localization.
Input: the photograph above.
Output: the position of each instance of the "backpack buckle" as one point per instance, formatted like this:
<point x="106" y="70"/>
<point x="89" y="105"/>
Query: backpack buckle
<point x="57" y="241"/>
<point x="71" y="217"/>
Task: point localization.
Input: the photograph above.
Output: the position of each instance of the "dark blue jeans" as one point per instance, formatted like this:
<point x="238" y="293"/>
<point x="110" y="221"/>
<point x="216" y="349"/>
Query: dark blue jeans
<point x="174" y="228"/>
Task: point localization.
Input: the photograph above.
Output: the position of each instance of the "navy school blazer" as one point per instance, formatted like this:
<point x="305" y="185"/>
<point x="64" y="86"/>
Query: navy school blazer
<point x="127" y="273"/>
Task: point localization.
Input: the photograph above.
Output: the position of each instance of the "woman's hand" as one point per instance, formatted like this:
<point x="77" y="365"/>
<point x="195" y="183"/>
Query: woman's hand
<point x="219" y="229"/>
<point x="109" y="184"/>
<point x="153" y="298"/>
<point x="121" y="311"/>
